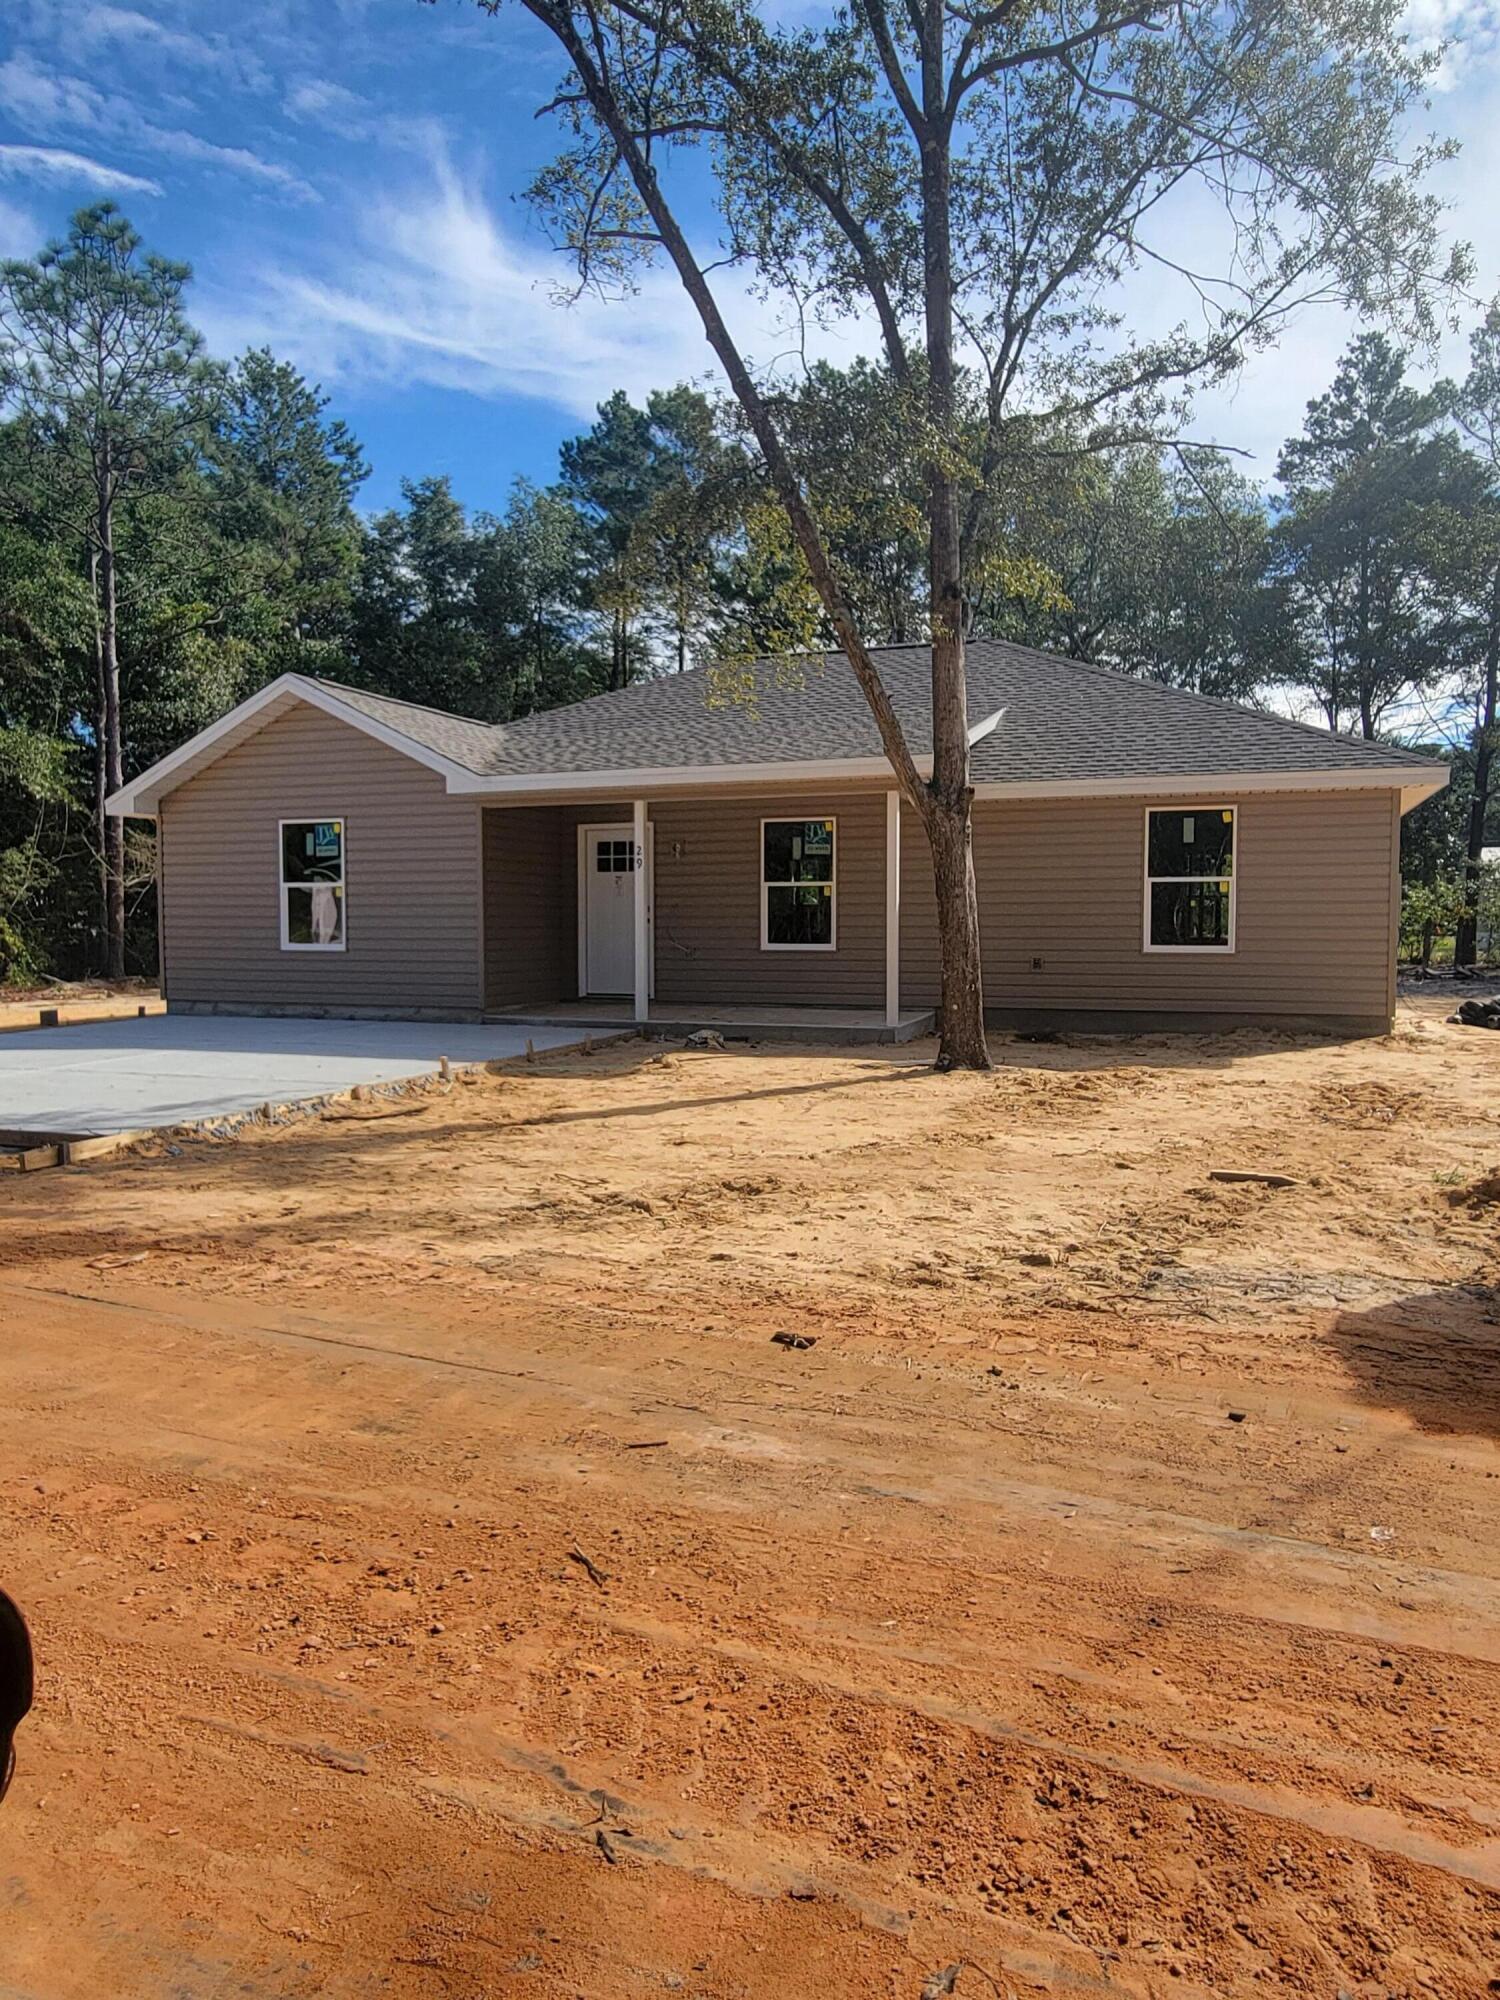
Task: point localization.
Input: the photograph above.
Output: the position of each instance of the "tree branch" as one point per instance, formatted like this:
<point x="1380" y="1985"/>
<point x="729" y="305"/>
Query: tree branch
<point x="558" y="19"/>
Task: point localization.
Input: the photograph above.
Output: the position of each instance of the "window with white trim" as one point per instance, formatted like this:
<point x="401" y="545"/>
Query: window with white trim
<point x="798" y="886"/>
<point x="1190" y="878"/>
<point x="312" y="885"/>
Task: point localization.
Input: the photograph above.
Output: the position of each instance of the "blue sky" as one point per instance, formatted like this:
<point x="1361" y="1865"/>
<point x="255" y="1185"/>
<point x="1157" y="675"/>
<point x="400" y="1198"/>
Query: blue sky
<point x="344" y="176"/>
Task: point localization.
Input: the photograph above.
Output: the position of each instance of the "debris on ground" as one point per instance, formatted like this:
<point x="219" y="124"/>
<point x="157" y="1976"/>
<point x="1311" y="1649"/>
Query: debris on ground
<point x="706" y="1038"/>
<point x="797" y="1340"/>
<point x="1482" y="1192"/>
<point x="1477" y="1013"/>
<point x="1234" y="1175"/>
<point x="586" y="1563"/>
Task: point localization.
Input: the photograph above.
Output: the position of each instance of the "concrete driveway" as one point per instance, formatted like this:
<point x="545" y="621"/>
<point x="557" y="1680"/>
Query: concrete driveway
<point x="122" y="1076"/>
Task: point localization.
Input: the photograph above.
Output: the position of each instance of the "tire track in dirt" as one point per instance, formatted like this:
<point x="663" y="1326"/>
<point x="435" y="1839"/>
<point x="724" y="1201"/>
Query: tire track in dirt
<point x="751" y="1581"/>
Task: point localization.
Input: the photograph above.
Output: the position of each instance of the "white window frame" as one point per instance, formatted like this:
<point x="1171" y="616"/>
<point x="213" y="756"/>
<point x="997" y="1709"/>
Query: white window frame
<point x="1226" y="950"/>
<point x="282" y="885"/>
<point x="796" y="819"/>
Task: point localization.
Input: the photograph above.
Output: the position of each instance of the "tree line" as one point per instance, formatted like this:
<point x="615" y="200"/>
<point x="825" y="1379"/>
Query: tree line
<point x="176" y="530"/>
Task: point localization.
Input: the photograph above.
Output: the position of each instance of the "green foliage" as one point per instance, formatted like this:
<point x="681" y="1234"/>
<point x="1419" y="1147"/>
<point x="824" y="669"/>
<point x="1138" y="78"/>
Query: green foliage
<point x="108" y="395"/>
<point x="240" y="552"/>
<point x="1430" y="911"/>
<point x="654" y="490"/>
<point x="279" y="483"/>
<point x="1373" y="485"/>
<point x="479" y="616"/>
<point x="1157" y="568"/>
<point x="1031" y="155"/>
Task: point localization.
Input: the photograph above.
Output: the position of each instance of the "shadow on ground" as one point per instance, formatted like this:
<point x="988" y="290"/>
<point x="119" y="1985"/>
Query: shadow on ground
<point x="1434" y="1355"/>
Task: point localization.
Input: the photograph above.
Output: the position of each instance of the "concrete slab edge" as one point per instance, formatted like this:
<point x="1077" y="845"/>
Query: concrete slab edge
<point x="24" y="1157"/>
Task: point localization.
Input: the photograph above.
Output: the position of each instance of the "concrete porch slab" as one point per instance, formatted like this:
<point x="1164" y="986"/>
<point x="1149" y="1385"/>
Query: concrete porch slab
<point x="175" y="1069"/>
<point x="777" y="1024"/>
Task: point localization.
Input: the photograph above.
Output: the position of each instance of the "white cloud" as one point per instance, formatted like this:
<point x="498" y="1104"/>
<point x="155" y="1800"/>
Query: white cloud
<point x="436" y="292"/>
<point x="20" y="234"/>
<point x="148" y="38"/>
<point x="56" y="164"/>
<point x="1468" y="32"/>
<point x="46" y="100"/>
<point x="51" y="103"/>
<point x="233" y="159"/>
<point x="316" y="101"/>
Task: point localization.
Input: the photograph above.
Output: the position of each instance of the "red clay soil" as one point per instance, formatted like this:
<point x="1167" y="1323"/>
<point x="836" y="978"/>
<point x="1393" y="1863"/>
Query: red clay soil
<point x="443" y="1584"/>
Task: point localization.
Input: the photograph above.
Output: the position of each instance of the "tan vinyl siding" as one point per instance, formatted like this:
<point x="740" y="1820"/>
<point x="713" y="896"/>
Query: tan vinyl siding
<point x="530" y="940"/>
<point x="707" y="910"/>
<point x="708" y="904"/>
<point x="412" y="876"/>
<point x="1063" y="880"/>
<point x="531" y="859"/>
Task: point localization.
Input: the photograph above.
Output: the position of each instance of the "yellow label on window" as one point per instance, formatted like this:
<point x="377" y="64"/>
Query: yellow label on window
<point x="1227" y="815"/>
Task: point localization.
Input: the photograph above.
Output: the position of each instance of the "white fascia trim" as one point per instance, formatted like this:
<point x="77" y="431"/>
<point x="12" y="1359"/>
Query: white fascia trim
<point x="1414" y="794"/>
<point x="1205" y="784"/>
<point x="670" y="776"/>
<point x="985" y="727"/>
<point x="141" y="798"/>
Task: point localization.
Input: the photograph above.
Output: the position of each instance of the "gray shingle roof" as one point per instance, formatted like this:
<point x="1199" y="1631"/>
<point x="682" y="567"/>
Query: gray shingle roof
<point x="1063" y="721"/>
<point x="462" y="741"/>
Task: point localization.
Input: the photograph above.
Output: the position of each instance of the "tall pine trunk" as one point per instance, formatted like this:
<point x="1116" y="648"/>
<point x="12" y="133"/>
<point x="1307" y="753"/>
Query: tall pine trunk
<point x="100" y="957"/>
<point x="113" y="734"/>
<point x="1466" y="937"/>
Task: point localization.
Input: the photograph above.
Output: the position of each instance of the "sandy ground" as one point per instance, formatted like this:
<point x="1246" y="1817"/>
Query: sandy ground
<point x="78" y="1000"/>
<point x="1106" y="1601"/>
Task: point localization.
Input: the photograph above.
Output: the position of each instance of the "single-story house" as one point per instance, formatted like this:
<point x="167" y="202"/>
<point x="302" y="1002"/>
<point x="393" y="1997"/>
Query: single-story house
<point x="1145" y="857"/>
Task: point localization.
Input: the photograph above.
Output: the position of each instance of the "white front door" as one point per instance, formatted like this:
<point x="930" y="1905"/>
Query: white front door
<point x="606" y="901"/>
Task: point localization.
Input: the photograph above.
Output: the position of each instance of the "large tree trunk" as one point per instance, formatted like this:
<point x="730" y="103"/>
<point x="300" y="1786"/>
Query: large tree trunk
<point x="962" y="1042"/>
<point x="114" y="752"/>
<point x="961" y="1037"/>
<point x="944" y="805"/>
<point x="949" y="822"/>
<point x="99" y="957"/>
<point x="1466" y="937"/>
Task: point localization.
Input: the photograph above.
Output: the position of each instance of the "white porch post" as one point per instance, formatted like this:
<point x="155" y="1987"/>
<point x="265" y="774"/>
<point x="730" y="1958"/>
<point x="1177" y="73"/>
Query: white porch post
<point x="642" y="933"/>
<point x="892" y="908"/>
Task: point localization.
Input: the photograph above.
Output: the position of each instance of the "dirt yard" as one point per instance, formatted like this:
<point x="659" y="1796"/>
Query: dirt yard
<point x="78" y="1000"/>
<point x="445" y="1585"/>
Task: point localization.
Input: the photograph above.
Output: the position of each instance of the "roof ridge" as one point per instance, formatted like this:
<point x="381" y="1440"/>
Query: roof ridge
<point x="1215" y="701"/>
<point x="498" y="735"/>
<point x="398" y="701"/>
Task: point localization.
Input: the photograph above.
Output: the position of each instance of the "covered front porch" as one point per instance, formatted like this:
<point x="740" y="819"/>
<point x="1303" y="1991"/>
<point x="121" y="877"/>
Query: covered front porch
<point x="767" y="913"/>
